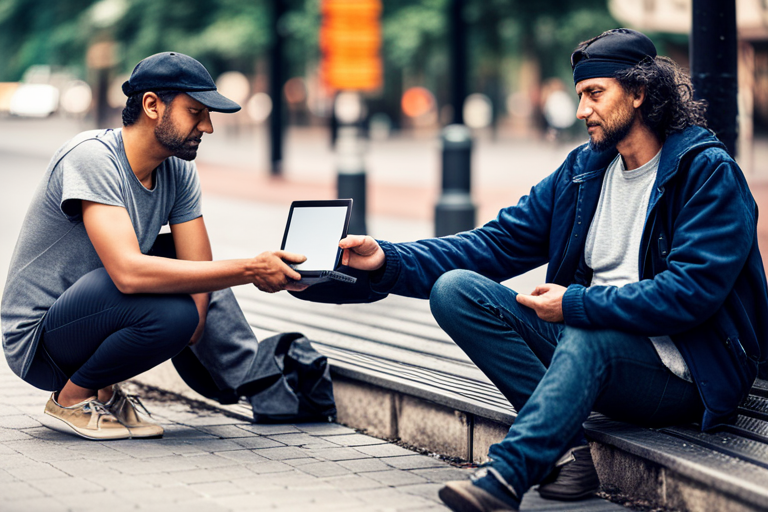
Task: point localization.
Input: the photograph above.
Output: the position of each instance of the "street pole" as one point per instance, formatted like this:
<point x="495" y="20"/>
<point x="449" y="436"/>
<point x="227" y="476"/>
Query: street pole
<point x="350" y="159"/>
<point x="714" y="65"/>
<point x="454" y="211"/>
<point x="457" y="36"/>
<point x="276" y="81"/>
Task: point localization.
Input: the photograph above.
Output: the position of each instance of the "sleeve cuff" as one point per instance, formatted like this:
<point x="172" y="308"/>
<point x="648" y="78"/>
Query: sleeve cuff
<point x="384" y="279"/>
<point x="574" y="313"/>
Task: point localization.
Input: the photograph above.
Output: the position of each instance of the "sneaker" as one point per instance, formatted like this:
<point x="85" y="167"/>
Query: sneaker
<point x="88" y="419"/>
<point x="464" y="496"/>
<point x="124" y="407"/>
<point x="574" y="477"/>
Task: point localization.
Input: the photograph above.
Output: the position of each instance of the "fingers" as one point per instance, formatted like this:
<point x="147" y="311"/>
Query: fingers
<point x="291" y="257"/>
<point x="352" y="241"/>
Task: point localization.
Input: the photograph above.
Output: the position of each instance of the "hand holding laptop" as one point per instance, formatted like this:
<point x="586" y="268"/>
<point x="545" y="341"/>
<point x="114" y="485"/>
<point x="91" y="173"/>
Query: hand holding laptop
<point x="272" y="271"/>
<point x="314" y="229"/>
<point x="361" y="252"/>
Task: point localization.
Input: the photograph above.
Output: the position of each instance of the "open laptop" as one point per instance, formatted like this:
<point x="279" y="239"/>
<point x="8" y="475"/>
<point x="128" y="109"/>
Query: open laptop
<point x="314" y="229"/>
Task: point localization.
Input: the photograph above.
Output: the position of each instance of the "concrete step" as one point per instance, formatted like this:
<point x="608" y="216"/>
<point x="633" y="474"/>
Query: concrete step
<point x="398" y="376"/>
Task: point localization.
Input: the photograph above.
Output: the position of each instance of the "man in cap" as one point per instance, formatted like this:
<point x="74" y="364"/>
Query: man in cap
<point x="655" y="309"/>
<point x="88" y="302"/>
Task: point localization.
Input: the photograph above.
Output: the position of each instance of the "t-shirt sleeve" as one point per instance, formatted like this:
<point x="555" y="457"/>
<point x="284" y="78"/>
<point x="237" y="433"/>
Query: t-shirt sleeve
<point x="187" y="205"/>
<point x="89" y="172"/>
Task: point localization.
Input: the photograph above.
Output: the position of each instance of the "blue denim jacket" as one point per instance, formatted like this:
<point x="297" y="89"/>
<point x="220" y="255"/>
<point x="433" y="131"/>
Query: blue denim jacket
<point x="701" y="278"/>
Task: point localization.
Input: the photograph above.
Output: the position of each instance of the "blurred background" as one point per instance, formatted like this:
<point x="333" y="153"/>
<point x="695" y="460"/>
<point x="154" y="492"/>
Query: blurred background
<point x="349" y="96"/>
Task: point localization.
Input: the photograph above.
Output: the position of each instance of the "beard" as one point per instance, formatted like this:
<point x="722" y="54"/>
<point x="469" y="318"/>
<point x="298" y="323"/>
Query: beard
<point x="179" y="145"/>
<point x="614" y="131"/>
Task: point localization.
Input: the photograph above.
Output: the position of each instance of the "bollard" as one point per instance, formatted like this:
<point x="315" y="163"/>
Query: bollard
<point x="454" y="211"/>
<point x="351" y="175"/>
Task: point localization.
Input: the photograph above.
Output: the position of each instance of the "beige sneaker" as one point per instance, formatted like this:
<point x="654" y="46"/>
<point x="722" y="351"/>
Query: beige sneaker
<point x="88" y="419"/>
<point x="124" y="407"/>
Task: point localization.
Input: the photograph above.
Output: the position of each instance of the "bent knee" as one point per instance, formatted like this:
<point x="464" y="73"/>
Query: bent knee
<point x="447" y="291"/>
<point x="175" y="318"/>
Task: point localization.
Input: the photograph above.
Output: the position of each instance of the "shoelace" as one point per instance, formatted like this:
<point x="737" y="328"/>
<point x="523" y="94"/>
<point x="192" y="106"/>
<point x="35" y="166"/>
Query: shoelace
<point x="134" y="400"/>
<point x="97" y="407"/>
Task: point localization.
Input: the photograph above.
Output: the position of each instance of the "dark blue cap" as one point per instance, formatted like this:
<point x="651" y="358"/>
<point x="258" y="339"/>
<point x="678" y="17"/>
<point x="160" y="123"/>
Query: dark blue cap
<point x="611" y="51"/>
<point x="173" y="71"/>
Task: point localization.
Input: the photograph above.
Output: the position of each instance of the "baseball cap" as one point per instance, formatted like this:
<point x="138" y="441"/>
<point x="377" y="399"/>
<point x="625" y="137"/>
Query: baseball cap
<point x="178" y="72"/>
<point x="611" y="51"/>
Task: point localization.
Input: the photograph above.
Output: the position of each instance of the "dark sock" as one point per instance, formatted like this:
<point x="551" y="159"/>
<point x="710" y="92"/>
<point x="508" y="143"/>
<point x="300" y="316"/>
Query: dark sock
<point x="490" y="484"/>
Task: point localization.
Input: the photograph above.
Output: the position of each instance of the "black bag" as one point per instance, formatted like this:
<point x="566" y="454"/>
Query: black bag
<point x="294" y="382"/>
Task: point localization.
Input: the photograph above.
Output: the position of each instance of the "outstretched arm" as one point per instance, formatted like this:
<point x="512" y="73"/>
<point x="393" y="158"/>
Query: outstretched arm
<point x="112" y="235"/>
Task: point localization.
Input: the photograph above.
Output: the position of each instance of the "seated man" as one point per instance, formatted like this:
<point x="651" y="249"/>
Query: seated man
<point x="85" y="305"/>
<point x="655" y="306"/>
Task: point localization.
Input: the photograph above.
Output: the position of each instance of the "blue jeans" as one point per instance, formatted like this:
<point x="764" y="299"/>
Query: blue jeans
<point x="554" y="375"/>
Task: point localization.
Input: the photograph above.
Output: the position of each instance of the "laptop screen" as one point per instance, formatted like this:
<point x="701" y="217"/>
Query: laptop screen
<point x="314" y="230"/>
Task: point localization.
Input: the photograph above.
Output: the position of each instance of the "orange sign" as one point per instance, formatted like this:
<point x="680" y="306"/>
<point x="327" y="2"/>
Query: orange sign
<point x="350" y="40"/>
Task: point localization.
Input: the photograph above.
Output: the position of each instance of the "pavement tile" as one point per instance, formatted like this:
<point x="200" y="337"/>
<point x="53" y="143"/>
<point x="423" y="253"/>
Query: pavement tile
<point x="36" y="471"/>
<point x="6" y="477"/>
<point x="54" y="436"/>
<point x="266" y="482"/>
<point x="160" y="479"/>
<point x="44" y="451"/>
<point x="184" y="446"/>
<point x="199" y="505"/>
<point x="353" y="482"/>
<point x="324" y="469"/>
<point x="84" y="468"/>
<point x="43" y="504"/>
<point x="141" y="448"/>
<point x="7" y="434"/>
<point x="204" y="476"/>
<point x="446" y="474"/>
<point x="324" y="429"/>
<point x="115" y="480"/>
<point x="266" y="430"/>
<point x="98" y="451"/>
<point x="415" y="462"/>
<point x="226" y="431"/>
<point x="354" y="440"/>
<point x="395" y="477"/>
<point x="165" y="464"/>
<point x="12" y="491"/>
<point x="337" y="454"/>
<point x="159" y="495"/>
<point x="95" y="501"/>
<point x="364" y="465"/>
<point x="14" y="460"/>
<point x="384" y="450"/>
<point x="301" y="439"/>
<point x="271" y="466"/>
<point x="428" y="491"/>
<point x="283" y="453"/>
<point x="214" y="489"/>
<point x="18" y="421"/>
<point x="389" y="498"/>
<point x="174" y="431"/>
<point x="214" y="419"/>
<point x="301" y="462"/>
<point x="9" y="410"/>
<point x="244" y="456"/>
<point x="212" y="444"/>
<point x="210" y="461"/>
<point x="64" y="486"/>
<point x="257" y="442"/>
<point x="7" y="450"/>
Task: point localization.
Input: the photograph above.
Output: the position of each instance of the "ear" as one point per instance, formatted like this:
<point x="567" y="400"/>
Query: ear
<point x="152" y="105"/>
<point x="639" y="97"/>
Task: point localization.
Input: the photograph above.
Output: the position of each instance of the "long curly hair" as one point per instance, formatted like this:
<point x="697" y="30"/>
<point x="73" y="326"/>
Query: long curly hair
<point x="669" y="105"/>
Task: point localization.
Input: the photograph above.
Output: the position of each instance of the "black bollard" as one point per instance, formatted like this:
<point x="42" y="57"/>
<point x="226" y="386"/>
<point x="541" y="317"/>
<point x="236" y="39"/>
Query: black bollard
<point x="454" y="211"/>
<point x="350" y="166"/>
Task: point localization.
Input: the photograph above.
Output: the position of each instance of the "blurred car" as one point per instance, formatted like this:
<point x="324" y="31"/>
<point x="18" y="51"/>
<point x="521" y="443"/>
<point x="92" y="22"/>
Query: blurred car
<point x="34" y="100"/>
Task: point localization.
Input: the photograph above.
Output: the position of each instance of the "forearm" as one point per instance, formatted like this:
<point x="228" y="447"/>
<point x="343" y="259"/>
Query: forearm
<point x="151" y="274"/>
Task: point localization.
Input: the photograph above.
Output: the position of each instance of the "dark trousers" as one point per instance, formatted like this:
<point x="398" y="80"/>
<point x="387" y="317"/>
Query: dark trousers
<point x="554" y="375"/>
<point x="98" y="336"/>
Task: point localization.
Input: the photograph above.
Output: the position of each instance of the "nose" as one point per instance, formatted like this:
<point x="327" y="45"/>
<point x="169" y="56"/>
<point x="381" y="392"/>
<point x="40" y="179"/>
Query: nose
<point x="205" y="125"/>
<point x="584" y="110"/>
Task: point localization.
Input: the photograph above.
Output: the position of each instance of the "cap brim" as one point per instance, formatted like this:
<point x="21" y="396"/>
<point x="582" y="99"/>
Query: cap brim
<point x="214" y="101"/>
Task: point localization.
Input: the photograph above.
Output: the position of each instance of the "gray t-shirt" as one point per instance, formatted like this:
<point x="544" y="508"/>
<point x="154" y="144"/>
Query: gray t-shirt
<point x="53" y="250"/>
<point x="613" y="242"/>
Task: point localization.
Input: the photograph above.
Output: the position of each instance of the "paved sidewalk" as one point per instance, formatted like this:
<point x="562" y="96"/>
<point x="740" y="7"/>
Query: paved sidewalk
<point x="206" y="461"/>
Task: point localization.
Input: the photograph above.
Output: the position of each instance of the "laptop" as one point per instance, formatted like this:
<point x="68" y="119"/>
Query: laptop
<point x="314" y="229"/>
